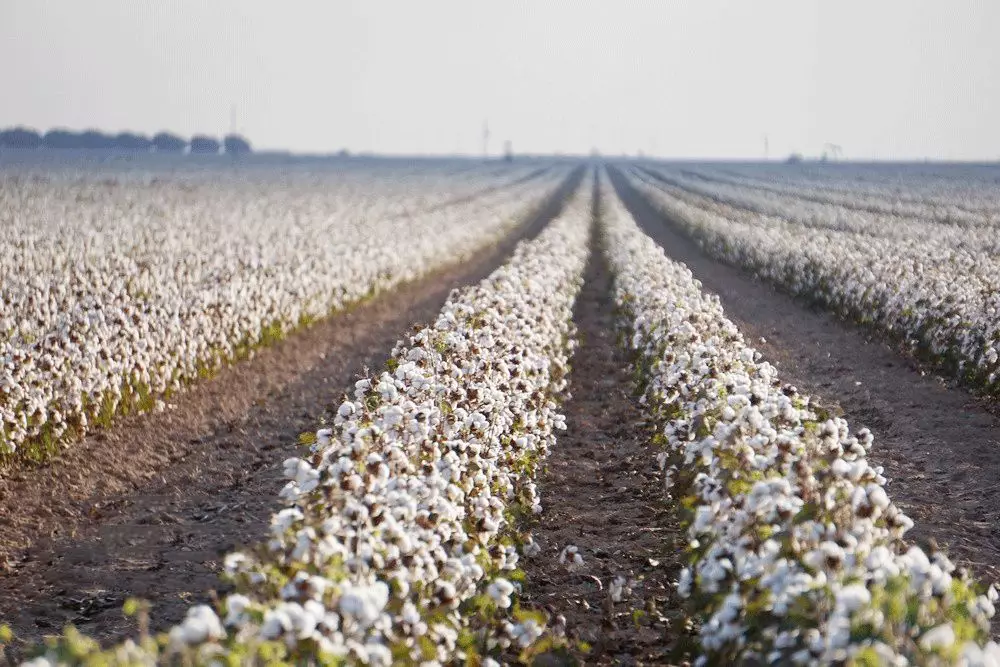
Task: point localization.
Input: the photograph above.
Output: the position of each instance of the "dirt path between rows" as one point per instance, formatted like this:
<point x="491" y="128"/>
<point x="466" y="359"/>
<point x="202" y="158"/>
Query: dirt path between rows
<point x="149" y="507"/>
<point x="939" y="444"/>
<point x="602" y="492"/>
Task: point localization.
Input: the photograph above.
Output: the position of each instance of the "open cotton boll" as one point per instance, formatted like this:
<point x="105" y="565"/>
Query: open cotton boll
<point x="571" y="557"/>
<point x="200" y="624"/>
<point x="943" y="636"/>
<point x="499" y="591"/>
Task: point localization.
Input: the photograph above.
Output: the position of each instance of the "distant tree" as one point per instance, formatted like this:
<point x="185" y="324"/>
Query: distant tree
<point x="136" y="143"/>
<point x="20" y="137"/>
<point x="59" y="138"/>
<point x="794" y="158"/>
<point x="165" y="142"/>
<point x="234" y="143"/>
<point x="205" y="145"/>
<point x="94" y="139"/>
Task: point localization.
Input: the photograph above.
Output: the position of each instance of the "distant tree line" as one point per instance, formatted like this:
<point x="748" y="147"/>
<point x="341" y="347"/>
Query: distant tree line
<point x="164" y="142"/>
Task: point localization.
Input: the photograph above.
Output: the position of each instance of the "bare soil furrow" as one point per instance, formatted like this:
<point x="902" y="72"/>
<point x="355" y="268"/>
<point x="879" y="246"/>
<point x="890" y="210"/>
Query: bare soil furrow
<point x="149" y="507"/>
<point x="602" y="493"/>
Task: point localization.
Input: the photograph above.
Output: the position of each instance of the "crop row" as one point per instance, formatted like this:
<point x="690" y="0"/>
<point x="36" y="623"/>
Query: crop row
<point x="397" y="542"/>
<point x="941" y="298"/>
<point x="975" y="204"/>
<point x="787" y="203"/>
<point x="115" y="295"/>
<point x="968" y="187"/>
<point x="795" y="551"/>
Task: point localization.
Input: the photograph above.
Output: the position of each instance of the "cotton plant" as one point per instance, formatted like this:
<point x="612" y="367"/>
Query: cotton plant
<point x="796" y="554"/>
<point x="117" y="292"/>
<point x="398" y="539"/>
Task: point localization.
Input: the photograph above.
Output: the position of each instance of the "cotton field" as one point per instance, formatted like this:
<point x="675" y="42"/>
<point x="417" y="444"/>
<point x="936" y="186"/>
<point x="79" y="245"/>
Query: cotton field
<point x="795" y="547"/>
<point x="119" y="290"/>
<point x="923" y="269"/>
<point x="775" y="516"/>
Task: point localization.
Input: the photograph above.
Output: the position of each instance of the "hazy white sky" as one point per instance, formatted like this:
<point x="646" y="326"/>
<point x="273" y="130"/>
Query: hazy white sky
<point x="698" y="78"/>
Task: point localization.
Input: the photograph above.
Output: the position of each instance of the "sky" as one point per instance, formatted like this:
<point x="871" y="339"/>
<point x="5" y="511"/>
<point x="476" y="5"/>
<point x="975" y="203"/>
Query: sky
<point x="885" y="79"/>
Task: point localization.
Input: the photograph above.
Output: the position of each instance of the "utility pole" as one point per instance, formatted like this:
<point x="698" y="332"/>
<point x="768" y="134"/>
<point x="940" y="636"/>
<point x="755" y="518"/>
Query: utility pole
<point x="767" y="150"/>
<point x="486" y="139"/>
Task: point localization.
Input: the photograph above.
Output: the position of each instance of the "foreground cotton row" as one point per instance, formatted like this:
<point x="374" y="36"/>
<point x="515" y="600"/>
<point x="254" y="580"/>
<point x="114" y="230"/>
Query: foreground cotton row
<point x="115" y="294"/>
<point x="397" y="542"/>
<point x="936" y="286"/>
<point x="796" y="550"/>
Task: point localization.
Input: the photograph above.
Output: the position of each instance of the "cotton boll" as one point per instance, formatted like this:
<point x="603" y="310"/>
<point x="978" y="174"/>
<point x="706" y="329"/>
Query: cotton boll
<point x="570" y="557"/>
<point x="499" y="591"/>
<point x="939" y="637"/>
<point x="200" y="625"/>
<point x="236" y="605"/>
<point x="531" y="548"/>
